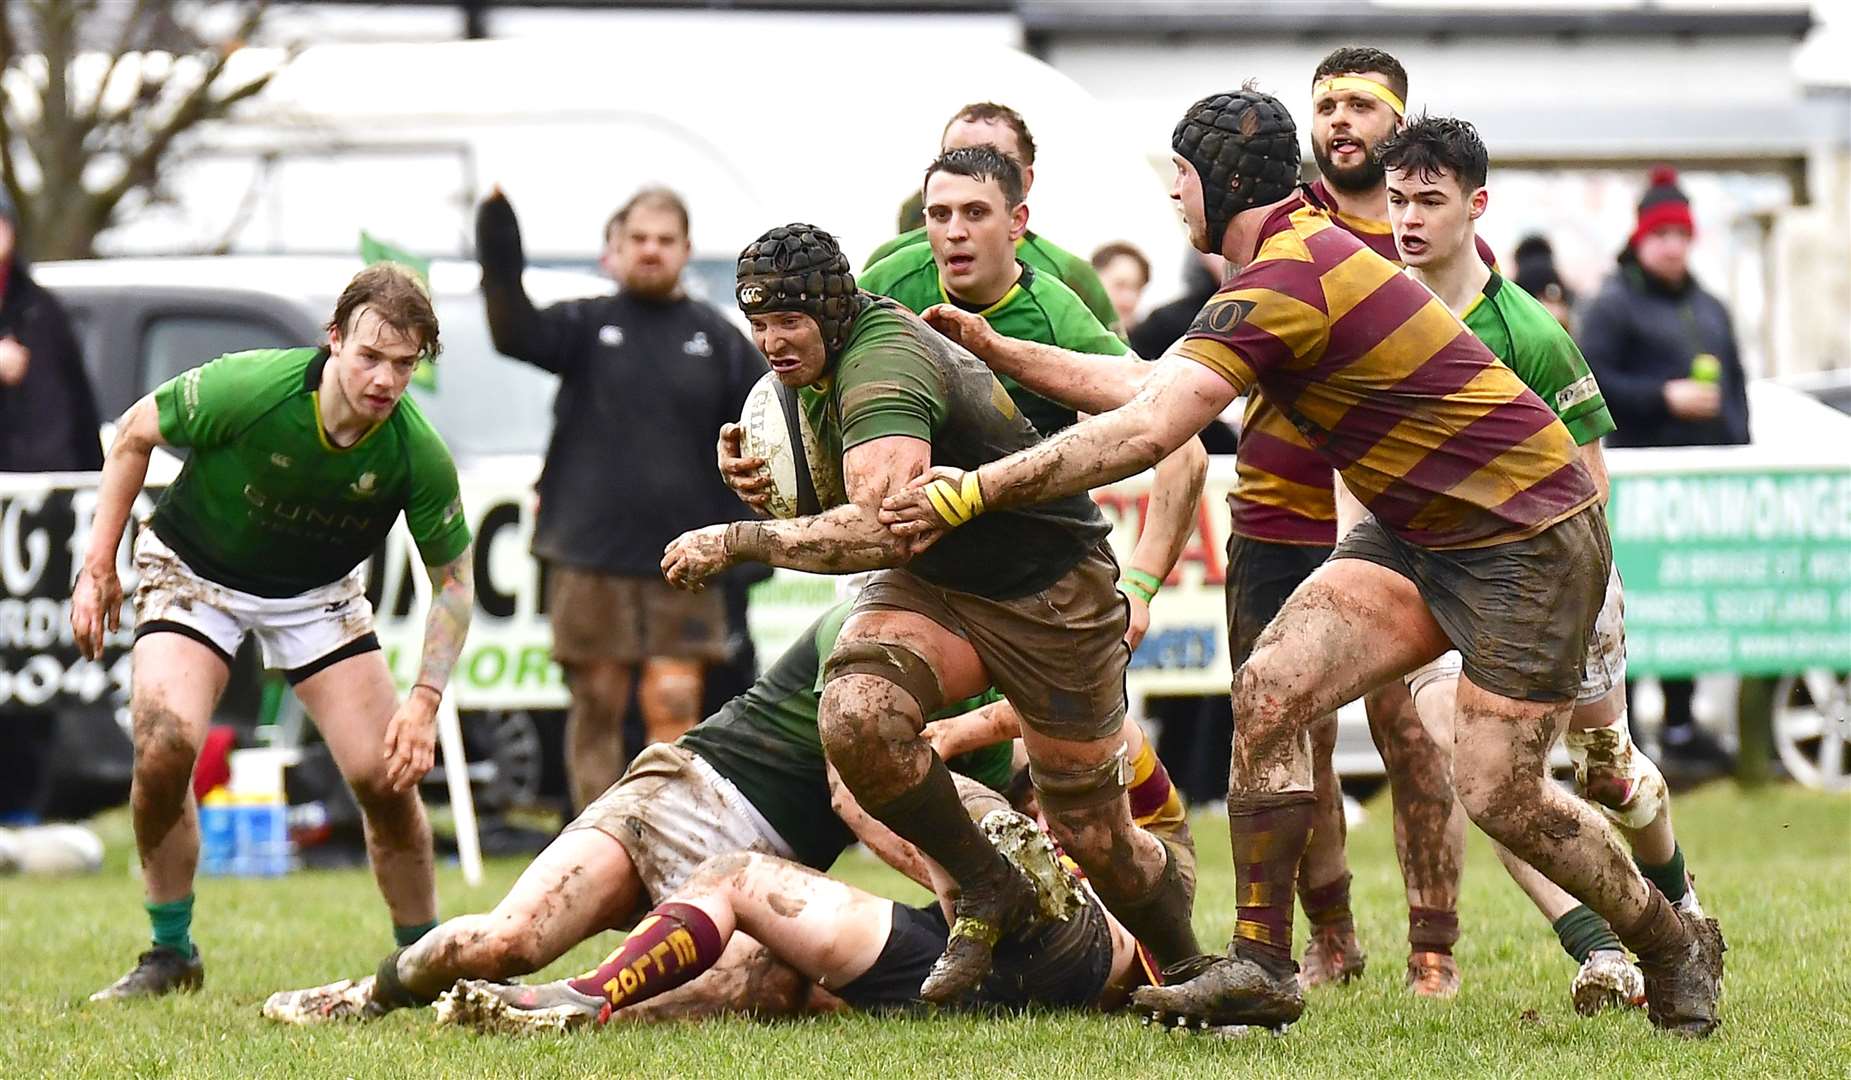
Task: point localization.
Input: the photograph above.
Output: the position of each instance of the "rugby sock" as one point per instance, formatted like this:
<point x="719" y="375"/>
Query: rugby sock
<point x="1658" y="935"/>
<point x="1269" y="832"/>
<point x="674" y="943"/>
<point x="409" y="935"/>
<point x="1669" y="877"/>
<point x="1328" y="904"/>
<point x="1432" y="930"/>
<point x="173" y="924"/>
<point x="930" y="816"/>
<point x="1583" y="931"/>
<point x="1159" y="920"/>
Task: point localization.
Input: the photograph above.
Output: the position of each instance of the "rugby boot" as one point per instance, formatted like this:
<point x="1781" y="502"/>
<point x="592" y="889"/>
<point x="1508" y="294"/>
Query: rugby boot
<point x="985" y="912"/>
<point x="158" y="971"/>
<point x="1028" y="849"/>
<point x="1684" y="996"/>
<point x="1433" y="975"/>
<point x="1687" y="904"/>
<point x="334" y="1002"/>
<point x="1608" y="979"/>
<point x="1218" y="993"/>
<point x="494" y="1008"/>
<point x="1333" y="955"/>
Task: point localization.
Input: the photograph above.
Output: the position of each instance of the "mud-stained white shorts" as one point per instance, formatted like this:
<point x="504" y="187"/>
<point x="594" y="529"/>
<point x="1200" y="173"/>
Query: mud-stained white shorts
<point x="1604" y="668"/>
<point x="301" y="634"/>
<point x="672" y="811"/>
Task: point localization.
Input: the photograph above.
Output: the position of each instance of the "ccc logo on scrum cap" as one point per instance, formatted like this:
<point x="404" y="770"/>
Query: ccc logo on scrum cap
<point x="751" y="295"/>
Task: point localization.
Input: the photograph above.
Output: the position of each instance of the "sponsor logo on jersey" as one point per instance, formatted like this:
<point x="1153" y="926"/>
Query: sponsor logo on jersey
<point x="611" y="335"/>
<point x="697" y="345"/>
<point x="363" y="487"/>
<point x="281" y="461"/>
<point x="1582" y="389"/>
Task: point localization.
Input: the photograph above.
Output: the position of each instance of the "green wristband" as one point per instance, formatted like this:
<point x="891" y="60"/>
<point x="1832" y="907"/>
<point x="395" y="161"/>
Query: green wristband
<point x="1151" y="582"/>
<point x="1137" y="589"/>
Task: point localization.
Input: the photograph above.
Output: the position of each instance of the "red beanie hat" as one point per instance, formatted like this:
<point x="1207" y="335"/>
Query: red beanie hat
<point x="1664" y="203"/>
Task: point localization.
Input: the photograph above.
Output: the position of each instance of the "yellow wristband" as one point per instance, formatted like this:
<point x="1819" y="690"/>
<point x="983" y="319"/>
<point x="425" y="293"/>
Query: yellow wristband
<point x="958" y="504"/>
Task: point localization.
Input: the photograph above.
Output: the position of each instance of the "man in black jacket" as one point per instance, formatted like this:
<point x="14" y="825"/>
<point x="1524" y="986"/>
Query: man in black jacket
<point x="48" y="418"/>
<point x="48" y="423"/>
<point x="1664" y="353"/>
<point x="646" y="378"/>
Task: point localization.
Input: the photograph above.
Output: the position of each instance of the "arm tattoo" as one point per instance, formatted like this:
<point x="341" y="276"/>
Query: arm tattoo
<point x="453" y="603"/>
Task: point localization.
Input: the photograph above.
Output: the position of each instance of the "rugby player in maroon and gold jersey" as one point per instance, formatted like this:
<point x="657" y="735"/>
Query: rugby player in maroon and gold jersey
<point x="1486" y="533"/>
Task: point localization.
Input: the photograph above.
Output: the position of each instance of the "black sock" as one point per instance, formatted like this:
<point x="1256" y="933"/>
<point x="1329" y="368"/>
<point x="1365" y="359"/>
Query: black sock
<point x="932" y="817"/>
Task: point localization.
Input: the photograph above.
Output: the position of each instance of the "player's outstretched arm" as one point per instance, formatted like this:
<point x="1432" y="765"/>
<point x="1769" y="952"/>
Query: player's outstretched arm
<point x="1175" y="494"/>
<point x="411" y="737"/>
<point x="841" y="540"/>
<point x="1088" y="382"/>
<point x="986" y="726"/>
<point x="96" y="596"/>
<point x="1179" y="398"/>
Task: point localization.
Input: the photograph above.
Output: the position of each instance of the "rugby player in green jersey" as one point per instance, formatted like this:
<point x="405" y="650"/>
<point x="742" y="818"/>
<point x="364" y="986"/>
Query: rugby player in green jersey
<point x="300" y="462"/>
<point x="975" y="212"/>
<point x="1024" y="601"/>
<point x="1436" y="171"/>
<point x="986" y="123"/>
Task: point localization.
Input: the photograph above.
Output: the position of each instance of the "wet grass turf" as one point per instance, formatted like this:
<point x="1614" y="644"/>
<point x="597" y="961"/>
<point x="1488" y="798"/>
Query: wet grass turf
<point x="1775" y="867"/>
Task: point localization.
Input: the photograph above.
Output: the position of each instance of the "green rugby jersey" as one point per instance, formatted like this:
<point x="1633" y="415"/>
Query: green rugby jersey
<point x="1036" y="308"/>
<point x="1530" y="341"/>
<point x="267" y="505"/>
<point x="1042" y="254"/>
<point x="898" y="376"/>
<point x="765" y="741"/>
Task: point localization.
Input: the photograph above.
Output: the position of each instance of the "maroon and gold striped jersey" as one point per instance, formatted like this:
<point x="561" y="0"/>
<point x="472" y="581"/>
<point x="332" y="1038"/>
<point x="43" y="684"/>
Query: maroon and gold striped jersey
<point x="1444" y="444"/>
<point x="1282" y="493"/>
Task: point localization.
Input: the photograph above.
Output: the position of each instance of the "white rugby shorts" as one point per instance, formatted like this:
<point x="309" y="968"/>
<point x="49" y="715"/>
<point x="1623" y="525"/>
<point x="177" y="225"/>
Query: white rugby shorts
<point x="300" y="634"/>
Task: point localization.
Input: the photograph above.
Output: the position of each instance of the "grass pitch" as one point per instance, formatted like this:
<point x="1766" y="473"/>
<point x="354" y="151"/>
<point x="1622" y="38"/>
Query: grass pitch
<point x="1774" y="866"/>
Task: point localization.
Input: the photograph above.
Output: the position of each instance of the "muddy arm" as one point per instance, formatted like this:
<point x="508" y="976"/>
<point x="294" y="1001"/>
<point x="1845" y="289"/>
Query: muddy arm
<point x="882" y="841"/>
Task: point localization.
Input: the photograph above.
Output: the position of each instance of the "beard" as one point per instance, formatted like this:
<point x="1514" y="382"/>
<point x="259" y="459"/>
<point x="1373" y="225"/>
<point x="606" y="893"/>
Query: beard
<point x="1354" y="180"/>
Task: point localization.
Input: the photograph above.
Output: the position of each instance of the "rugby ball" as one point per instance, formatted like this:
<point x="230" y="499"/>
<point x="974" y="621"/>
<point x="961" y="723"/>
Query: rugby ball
<point x="805" y="478"/>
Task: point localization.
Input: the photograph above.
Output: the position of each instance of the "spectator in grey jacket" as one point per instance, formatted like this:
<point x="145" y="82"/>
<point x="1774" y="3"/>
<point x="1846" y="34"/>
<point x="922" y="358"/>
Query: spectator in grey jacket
<point x="1664" y="352"/>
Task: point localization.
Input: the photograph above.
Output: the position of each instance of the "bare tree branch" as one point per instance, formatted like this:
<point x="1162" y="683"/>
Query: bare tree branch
<point x="133" y="131"/>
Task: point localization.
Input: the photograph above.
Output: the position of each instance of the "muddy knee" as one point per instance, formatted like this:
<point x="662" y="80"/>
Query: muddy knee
<point x="391" y="814"/>
<point x="164" y="755"/>
<point x="876" y="696"/>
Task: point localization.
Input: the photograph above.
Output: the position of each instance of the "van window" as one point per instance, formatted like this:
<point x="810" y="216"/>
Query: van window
<point x="171" y="344"/>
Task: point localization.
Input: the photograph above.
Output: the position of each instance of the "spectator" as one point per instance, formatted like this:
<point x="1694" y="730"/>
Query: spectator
<point x="1124" y="271"/>
<point x="1665" y="355"/>
<point x="48" y="423"/>
<point x="1536" y="275"/>
<point x="48" y="419"/>
<point x="647" y="376"/>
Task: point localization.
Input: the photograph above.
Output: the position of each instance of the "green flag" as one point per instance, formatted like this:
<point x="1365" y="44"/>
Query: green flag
<point x="375" y="250"/>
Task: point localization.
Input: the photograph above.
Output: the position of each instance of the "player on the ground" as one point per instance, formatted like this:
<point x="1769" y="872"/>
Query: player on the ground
<point x="985" y="123"/>
<point x="301" y="460"/>
<point x="869" y="952"/>
<point x="1487" y="534"/>
<point x="975" y="214"/>
<point x="1436" y="172"/>
<point x="751" y="778"/>
<point x="1025" y="600"/>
